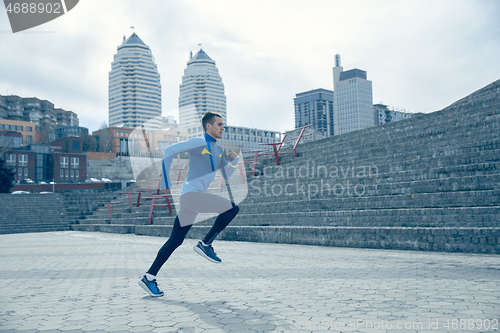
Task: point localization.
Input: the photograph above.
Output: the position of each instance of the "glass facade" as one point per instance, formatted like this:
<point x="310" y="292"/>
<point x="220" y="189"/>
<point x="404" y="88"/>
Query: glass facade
<point x="353" y="100"/>
<point x="315" y="107"/>
<point x="201" y="90"/>
<point x="134" y="86"/>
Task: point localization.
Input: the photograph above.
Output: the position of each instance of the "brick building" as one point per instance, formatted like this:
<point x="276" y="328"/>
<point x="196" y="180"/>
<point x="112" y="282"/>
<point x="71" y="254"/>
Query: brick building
<point x="63" y="161"/>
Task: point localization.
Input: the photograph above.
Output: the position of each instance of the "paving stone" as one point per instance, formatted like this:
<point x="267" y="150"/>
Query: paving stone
<point x="262" y="293"/>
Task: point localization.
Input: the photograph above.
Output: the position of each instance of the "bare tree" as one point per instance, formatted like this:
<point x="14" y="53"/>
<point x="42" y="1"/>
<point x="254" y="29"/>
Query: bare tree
<point x="44" y="132"/>
<point x="89" y="142"/>
<point x="105" y="138"/>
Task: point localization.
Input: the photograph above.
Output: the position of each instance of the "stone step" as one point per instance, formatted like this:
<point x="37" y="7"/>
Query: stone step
<point x="409" y="217"/>
<point x="387" y="162"/>
<point x="472" y="240"/>
<point x="29" y="229"/>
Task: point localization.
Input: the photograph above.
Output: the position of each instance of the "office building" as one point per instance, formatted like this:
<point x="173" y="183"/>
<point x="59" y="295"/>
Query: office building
<point x="40" y="112"/>
<point x="134" y="86"/>
<point x="62" y="161"/>
<point x="25" y="128"/>
<point x="125" y="140"/>
<point x="245" y="138"/>
<point x="201" y="90"/>
<point x="384" y="115"/>
<point x="353" y="100"/>
<point x="71" y="131"/>
<point x="315" y="107"/>
<point x="34" y="118"/>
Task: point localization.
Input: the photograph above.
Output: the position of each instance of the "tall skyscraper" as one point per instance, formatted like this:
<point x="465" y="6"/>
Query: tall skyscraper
<point x="201" y="90"/>
<point x="353" y="100"/>
<point x="134" y="86"/>
<point x="315" y="107"/>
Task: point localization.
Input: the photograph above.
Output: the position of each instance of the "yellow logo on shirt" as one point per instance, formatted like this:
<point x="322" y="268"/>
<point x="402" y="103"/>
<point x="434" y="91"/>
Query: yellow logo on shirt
<point x="205" y="151"/>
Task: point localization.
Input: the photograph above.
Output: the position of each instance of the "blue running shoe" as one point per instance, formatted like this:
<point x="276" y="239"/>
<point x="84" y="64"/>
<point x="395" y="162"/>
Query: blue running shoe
<point x="151" y="287"/>
<point x="207" y="252"/>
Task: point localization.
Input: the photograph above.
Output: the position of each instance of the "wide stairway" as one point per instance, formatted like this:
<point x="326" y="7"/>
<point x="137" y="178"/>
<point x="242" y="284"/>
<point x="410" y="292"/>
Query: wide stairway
<point x="32" y="213"/>
<point x="430" y="182"/>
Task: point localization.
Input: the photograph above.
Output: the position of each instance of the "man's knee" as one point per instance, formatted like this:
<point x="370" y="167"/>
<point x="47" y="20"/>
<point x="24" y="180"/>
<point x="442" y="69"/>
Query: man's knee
<point x="234" y="210"/>
<point x="177" y="242"/>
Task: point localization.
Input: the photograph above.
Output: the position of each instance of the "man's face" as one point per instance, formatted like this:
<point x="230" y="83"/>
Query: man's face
<point x="215" y="130"/>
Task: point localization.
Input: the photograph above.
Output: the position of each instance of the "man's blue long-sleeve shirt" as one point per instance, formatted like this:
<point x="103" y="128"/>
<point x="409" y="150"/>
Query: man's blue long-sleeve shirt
<point x="205" y="158"/>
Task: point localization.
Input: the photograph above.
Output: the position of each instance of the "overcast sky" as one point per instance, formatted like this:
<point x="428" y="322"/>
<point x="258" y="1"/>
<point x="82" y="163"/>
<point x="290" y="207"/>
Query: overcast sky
<point x="420" y="55"/>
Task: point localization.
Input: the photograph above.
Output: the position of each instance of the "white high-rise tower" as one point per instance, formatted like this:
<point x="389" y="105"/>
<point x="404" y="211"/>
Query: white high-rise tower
<point x="134" y="86"/>
<point x="352" y="100"/>
<point x="201" y="90"/>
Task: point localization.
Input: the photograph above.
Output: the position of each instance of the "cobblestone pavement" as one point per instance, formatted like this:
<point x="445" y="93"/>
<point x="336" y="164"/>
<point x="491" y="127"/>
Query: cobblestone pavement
<point x="80" y="282"/>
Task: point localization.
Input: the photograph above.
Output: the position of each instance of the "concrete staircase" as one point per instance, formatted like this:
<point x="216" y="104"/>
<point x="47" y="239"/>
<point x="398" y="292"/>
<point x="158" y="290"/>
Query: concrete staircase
<point x="32" y="213"/>
<point x="431" y="182"/>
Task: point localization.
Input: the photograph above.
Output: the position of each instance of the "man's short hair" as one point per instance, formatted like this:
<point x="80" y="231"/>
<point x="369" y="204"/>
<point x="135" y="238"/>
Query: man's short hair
<point x="208" y="118"/>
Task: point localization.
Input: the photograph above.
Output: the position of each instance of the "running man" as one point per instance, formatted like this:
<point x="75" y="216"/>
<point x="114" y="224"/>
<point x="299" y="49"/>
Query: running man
<point x="205" y="158"/>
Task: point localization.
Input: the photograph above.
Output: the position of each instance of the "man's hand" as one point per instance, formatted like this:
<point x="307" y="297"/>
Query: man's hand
<point x="165" y="190"/>
<point x="232" y="155"/>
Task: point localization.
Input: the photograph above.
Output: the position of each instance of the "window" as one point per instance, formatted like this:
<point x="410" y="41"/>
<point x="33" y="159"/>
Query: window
<point x="77" y="174"/>
<point x="64" y="162"/>
<point x="20" y="128"/>
<point x="67" y="173"/>
<point x="61" y="174"/>
<point x="75" y="162"/>
<point x="11" y="158"/>
<point x="72" y="173"/>
<point x="117" y="133"/>
<point x="26" y="173"/>
<point x="29" y="129"/>
<point x="75" y="145"/>
<point x="23" y="160"/>
<point x="20" y="173"/>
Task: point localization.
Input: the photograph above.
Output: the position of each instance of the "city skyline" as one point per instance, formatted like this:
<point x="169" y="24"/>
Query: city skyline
<point x="416" y="58"/>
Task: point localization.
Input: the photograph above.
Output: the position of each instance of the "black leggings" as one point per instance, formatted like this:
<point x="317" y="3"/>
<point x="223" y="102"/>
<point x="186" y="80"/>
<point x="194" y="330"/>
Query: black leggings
<point x="179" y="233"/>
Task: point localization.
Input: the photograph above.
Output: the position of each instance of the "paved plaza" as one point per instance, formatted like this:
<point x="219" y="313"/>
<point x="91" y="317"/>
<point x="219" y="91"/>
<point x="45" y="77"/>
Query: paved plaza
<point x="82" y="282"/>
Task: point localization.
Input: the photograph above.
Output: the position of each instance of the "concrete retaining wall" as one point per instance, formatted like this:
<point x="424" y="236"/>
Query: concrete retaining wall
<point x="472" y="240"/>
